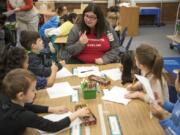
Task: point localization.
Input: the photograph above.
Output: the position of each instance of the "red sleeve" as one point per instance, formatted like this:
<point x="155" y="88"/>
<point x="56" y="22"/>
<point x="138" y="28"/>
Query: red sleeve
<point x="9" y="7"/>
<point x="28" y="5"/>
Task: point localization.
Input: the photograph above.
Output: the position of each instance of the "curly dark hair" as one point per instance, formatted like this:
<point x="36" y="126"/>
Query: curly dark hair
<point x="10" y="58"/>
<point x="15" y="59"/>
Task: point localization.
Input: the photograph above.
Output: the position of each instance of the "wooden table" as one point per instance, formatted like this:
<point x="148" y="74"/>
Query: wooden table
<point x="134" y="118"/>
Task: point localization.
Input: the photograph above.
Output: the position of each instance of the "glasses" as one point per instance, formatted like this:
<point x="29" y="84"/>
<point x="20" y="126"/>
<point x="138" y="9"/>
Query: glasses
<point x="90" y="17"/>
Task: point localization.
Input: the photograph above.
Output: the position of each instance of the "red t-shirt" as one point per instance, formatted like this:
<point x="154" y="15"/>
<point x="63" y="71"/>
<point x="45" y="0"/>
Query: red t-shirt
<point x="95" y="48"/>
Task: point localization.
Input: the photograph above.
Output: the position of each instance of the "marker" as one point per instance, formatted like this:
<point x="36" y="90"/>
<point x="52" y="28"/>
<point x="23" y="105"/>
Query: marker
<point x="86" y="71"/>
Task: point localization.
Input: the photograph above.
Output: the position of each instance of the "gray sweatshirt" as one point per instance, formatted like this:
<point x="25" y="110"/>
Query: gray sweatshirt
<point x="74" y="47"/>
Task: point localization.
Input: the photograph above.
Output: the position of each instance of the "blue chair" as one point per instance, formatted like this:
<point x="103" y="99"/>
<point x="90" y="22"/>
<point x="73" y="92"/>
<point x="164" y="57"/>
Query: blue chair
<point x="171" y="63"/>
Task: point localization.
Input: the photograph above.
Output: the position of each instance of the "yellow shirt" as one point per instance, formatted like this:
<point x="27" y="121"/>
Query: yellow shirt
<point x="62" y="30"/>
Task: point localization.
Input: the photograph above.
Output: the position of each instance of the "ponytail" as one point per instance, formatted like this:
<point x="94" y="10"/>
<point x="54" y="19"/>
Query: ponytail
<point x="149" y="57"/>
<point x="158" y="67"/>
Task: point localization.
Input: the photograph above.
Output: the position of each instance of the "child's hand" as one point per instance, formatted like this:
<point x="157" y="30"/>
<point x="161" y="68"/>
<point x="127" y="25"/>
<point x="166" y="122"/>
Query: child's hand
<point x="99" y="61"/>
<point x="63" y="63"/>
<point x="51" y="47"/>
<point x="83" y="38"/>
<point x="54" y="68"/>
<point x="130" y="87"/>
<point x="79" y="113"/>
<point x="83" y="112"/>
<point x="133" y="95"/>
<point x="17" y="9"/>
<point x="158" y="111"/>
<point x="58" y="109"/>
<point x="158" y="98"/>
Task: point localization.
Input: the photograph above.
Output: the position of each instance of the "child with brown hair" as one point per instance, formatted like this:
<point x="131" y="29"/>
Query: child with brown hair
<point x="149" y="61"/>
<point x="16" y="113"/>
<point x="169" y="113"/>
<point x="128" y="67"/>
<point x="15" y="57"/>
<point x="39" y="64"/>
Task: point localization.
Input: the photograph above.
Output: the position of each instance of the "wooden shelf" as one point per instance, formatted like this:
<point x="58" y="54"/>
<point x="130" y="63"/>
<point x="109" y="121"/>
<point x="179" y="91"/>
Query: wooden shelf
<point x="129" y="17"/>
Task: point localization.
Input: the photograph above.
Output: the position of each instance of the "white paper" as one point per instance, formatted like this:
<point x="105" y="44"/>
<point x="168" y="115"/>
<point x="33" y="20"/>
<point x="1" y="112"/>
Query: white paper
<point x="60" y="90"/>
<point x="145" y="82"/>
<point x="87" y="130"/>
<point x="64" y="72"/>
<point x="114" y="73"/>
<point x="75" y="96"/>
<point x="58" y="117"/>
<point x="87" y="71"/>
<point x="76" y="130"/>
<point x="117" y="94"/>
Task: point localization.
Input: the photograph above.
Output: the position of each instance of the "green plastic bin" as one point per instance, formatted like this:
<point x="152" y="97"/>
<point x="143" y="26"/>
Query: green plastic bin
<point x="89" y="93"/>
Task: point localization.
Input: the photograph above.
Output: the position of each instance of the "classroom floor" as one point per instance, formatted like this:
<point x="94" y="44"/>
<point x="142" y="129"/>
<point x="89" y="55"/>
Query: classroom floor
<point x="156" y="36"/>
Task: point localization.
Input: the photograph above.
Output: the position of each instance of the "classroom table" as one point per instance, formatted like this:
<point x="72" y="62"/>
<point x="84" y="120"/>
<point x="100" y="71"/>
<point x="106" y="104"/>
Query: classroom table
<point x="134" y="118"/>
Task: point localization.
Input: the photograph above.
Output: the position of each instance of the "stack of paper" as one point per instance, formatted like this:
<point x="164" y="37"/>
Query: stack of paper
<point x="116" y="94"/>
<point x="114" y="74"/>
<point x="64" y="72"/>
<point x="86" y="71"/>
<point x="60" y="90"/>
<point x="58" y="117"/>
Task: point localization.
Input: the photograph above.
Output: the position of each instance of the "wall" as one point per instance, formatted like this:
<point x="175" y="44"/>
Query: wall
<point x="168" y="14"/>
<point x="169" y="8"/>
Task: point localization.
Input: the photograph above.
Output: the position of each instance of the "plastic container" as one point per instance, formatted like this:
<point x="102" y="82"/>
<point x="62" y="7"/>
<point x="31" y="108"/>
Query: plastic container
<point x="88" y="92"/>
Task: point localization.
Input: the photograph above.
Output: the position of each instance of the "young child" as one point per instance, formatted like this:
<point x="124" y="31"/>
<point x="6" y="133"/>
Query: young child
<point x="16" y="113"/>
<point x="169" y="113"/>
<point x="38" y="62"/>
<point x="17" y="58"/>
<point x="150" y="63"/>
<point x="65" y="28"/>
<point x="53" y="22"/>
<point x="62" y="30"/>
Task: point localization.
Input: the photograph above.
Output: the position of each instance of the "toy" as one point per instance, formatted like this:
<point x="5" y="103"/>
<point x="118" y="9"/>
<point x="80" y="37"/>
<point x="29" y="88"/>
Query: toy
<point x="87" y="120"/>
<point x="100" y="80"/>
